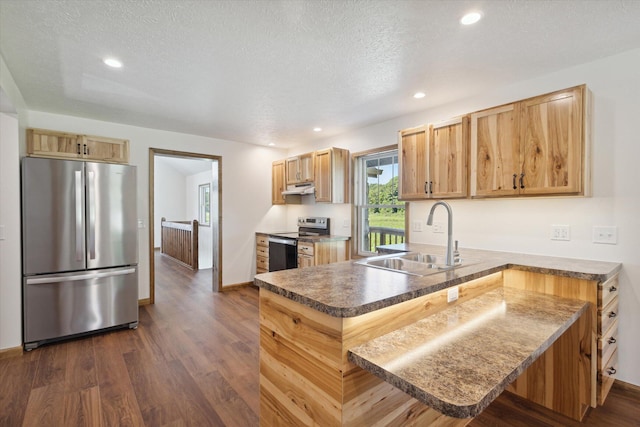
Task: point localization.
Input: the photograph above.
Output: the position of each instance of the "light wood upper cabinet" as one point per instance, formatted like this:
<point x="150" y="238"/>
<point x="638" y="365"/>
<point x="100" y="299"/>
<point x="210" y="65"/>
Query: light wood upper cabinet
<point x="433" y="160"/>
<point x="448" y="158"/>
<point x="495" y="151"/>
<point x="46" y="143"/>
<point x="331" y="175"/>
<point x="412" y="148"/>
<point x="105" y="149"/>
<point x="532" y="147"/>
<point x="552" y="143"/>
<point x="300" y="168"/>
<point x="277" y="182"/>
<point x="61" y="145"/>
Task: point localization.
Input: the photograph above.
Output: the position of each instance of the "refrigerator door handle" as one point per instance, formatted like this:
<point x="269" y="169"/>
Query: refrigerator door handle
<point x="79" y="217"/>
<point x="91" y="192"/>
<point x="83" y="276"/>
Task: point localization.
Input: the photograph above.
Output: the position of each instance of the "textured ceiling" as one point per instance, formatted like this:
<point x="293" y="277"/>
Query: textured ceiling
<point x="269" y="71"/>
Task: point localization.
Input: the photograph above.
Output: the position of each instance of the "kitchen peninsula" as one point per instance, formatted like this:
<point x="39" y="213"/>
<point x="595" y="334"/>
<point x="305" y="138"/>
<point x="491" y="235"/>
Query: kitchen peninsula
<point x="311" y="319"/>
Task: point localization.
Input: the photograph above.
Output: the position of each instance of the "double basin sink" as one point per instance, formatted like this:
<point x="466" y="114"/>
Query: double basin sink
<point x="413" y="263"/>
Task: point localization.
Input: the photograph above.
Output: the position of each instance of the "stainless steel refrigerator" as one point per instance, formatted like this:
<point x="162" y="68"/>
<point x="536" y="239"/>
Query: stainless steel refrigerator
<point x="80" y="248"/>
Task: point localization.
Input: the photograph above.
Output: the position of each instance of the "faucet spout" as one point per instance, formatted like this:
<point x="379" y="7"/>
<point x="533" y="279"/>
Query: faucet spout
<point x="449" y="256"/>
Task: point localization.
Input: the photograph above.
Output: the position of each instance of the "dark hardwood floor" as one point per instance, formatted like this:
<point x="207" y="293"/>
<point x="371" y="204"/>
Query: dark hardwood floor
<point x="193" y="361"/>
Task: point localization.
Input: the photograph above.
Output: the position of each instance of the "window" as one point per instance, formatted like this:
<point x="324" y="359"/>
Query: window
<point x="204" y="216"/>
<point x="380" y="216"/>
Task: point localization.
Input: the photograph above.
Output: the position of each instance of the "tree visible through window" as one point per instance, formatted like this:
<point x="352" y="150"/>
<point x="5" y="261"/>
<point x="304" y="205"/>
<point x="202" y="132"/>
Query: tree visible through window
<point x="204" y="203"/>
<point x="381" y="217"/>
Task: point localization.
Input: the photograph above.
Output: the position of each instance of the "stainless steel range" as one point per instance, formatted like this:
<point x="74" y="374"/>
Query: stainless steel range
<point x="283" y="247"/>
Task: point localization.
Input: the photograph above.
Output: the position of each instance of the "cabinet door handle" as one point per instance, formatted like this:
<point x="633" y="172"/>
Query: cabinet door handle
<point x="613" y="289"/>
<point x="78" y="149"/>
<point x="522" y="180"/>
<point x="611" y="340"/>
<point x="426" y="187"/>
<point x="85" y="149"/>
<point x="430" y="187"/>
<point x="515" y="175"/>
<point x="612" y="314"/>
<point x="611" y="371"/>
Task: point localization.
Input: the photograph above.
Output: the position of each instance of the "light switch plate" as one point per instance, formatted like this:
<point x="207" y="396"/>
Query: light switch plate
<point x="605" y="234"/>
<point x="141" y="223"/>
<point x="416" y="226"/>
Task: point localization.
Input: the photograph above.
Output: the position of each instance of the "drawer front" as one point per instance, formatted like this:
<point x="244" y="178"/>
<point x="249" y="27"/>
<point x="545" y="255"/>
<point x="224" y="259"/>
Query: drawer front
<point x="305" y="248"/>
<point x="607" y="345"/>
<point x="262" y="251"/>
<point x="608" y="291"/>
<point x="262" y="263"/>
<point x="305" y="261"/>
<point x="607" y="316"/>
<point x="606" y="377"/>
<point x="262" y="240"/>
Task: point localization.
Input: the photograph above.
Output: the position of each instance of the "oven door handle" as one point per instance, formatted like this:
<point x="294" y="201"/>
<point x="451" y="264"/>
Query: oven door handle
<point x="283" y="241"/>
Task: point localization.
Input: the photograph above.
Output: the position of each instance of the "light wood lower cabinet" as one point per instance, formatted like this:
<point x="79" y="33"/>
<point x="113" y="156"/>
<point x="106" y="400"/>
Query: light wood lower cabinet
<point x="603" y="297"/>
<point x="307" y="379"/>
<point x="262" y="253"/>
<point x="324" y="252"/>
<point x="62" y="145"/>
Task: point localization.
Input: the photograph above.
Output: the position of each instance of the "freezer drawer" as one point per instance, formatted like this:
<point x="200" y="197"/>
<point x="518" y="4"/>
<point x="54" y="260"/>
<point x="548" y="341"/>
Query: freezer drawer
<point x="57" y="306"/>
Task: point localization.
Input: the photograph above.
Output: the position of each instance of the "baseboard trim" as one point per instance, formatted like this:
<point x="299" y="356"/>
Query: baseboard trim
<point x="144" y="301"/>
<point x="627" y="386"/>
<point x="235" y="287"/>
<point x="11" y="352"/>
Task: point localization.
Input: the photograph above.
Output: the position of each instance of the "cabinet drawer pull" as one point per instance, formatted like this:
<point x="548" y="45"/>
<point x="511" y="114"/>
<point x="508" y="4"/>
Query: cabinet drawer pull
<point x="522" y="180"/>
<point x="611" y="370"/>
<point x="611" y="340"/>
<point x="613" y="289"/>
<point x="612" y="314"/>
<point x="515" y="175"/>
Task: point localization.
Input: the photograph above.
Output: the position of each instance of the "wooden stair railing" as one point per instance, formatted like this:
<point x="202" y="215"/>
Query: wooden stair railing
<point x="179" y="241"/>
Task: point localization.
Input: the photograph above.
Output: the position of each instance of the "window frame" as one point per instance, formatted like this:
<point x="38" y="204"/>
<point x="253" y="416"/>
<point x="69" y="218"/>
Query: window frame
<point x="359" y="195"/>
<point x="204" y="206"/>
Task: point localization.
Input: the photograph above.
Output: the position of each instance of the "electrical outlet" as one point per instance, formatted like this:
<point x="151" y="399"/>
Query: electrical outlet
<point x="560" y="232"/>
<point x="438" y="227"/>
<point x="452" y="294"/>
<point x="416" y="226"/>
<point x="604" y="234"/>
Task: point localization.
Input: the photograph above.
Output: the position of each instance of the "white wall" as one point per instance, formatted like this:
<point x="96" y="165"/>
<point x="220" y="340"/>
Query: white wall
<point x="11" y="102"/>
<point x="205" y="235"/>
<point x="10" y="259"/>
<point x="523" y="225"/>
<point x="246" y="194"/>
<point x="170" y="197"/>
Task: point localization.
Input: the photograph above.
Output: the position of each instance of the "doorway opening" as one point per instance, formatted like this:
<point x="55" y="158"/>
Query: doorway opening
<point x="192" y="193"/>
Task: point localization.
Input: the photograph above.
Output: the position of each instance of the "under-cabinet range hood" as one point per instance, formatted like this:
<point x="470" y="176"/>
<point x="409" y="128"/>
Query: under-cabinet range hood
<point x="300" y="189"/>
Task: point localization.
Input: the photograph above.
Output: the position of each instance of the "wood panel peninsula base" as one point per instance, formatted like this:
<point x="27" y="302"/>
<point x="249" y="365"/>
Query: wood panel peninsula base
<point x="311" y="318"/>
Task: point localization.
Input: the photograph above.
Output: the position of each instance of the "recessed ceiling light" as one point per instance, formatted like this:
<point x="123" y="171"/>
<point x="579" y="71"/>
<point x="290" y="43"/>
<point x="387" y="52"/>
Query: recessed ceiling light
<point x="112" y="62"/>
<point x="470" y="18"/>
<point x="271" y="144"/>
<point x="419" y="95"/>
<point x="317" y="129"/>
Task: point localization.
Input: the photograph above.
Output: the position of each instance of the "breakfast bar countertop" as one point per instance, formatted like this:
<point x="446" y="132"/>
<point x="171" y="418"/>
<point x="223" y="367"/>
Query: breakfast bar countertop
<point x="347" y="289"/>
<point x="460" y="359"/>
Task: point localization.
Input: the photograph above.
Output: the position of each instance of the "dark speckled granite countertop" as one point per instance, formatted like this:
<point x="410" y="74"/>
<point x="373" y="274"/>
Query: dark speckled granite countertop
<point x="460" y="359"/>
<point x="346" y="289"/>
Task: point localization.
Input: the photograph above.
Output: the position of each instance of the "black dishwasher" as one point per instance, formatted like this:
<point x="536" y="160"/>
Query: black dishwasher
<point x="283" y="253"/>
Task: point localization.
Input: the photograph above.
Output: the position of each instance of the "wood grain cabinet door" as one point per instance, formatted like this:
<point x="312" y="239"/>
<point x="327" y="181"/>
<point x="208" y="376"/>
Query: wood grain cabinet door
<point x="46" y="143"/>
<point x="448" y="158"/>
<point x="277" y="182"/>
<point x="412" y="148"/>
<point x="552" y="143"/>
<point x="495" y="152"/>
<point x="105" y="149"/>
<point x="323" y="175"/>
<point x="306" y="167"/>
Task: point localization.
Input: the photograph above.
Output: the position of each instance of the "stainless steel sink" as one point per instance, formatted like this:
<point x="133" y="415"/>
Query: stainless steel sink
<point x="413" y="263"/>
